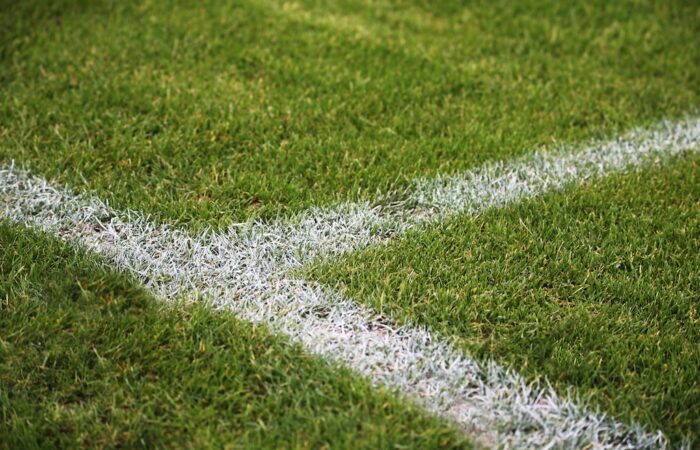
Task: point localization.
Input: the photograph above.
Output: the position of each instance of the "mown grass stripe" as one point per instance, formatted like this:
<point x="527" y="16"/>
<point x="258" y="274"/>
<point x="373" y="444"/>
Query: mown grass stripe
<point x="246" y="269"/>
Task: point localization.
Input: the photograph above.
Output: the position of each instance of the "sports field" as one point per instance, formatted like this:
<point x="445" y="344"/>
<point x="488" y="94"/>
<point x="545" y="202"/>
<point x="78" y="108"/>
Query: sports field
<point x="349" y="224"/>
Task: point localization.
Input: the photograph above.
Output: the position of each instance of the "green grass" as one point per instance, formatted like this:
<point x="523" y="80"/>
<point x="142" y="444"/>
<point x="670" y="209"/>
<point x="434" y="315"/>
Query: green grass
<point x="211" y="112"/>
<point x="87" y="360"/>
<point x="595" y="288"/>
<point x="202" y="113"/>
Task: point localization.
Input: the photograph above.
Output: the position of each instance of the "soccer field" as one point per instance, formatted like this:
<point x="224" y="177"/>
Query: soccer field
<point x="349" y="224"/>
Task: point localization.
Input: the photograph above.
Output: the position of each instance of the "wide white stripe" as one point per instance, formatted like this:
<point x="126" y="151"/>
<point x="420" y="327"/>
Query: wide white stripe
<point x="244" y="269"/>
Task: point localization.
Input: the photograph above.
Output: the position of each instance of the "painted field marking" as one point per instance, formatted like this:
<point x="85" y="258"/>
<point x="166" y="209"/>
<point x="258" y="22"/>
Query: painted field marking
<point x="245" y="270"/>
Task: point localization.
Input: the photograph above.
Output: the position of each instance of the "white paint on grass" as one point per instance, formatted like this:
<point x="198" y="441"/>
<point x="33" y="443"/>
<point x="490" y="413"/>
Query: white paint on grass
<point x="245" y="270"/>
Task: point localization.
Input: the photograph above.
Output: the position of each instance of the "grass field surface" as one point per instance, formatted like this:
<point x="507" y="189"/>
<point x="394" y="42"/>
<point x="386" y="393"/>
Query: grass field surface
<point x="349" y="224"/>
<point x="595" y="288"/>
<point x="87" y="359"/>
<point x="212" y="112"/>
<point x="244" y="271"/>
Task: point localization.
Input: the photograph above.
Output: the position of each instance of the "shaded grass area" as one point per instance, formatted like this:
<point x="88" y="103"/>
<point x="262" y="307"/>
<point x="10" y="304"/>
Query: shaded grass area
<point x="89" y="360"/>
<point x="212" y="112"/>
<point x="595" y="288"/>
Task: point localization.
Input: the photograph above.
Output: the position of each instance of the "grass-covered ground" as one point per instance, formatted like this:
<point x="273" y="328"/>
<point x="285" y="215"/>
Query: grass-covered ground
<point x="211" y="112"/>
<point x="87" y="360"/>
<point x="203" y="113"/>
<point x="596" y="288"/>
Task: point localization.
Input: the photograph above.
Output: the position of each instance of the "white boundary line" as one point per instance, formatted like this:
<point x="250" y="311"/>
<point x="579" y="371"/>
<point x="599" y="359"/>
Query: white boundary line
<point x="244" y="269"/>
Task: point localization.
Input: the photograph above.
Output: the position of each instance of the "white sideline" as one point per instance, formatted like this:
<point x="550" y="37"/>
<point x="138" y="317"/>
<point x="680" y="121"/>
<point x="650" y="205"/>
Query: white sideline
<point x="245" y="269"/>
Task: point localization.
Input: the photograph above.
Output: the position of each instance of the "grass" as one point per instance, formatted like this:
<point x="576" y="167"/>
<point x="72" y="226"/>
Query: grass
<point x="209" y="112"/>
<point x="203" y="113"/>
<point x="87" y="360"/>
<point x="595" y="288"/>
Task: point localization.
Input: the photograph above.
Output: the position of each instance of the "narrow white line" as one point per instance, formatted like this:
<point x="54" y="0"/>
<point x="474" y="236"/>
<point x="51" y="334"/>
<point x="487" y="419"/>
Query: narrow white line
<point x="244" y="269"/>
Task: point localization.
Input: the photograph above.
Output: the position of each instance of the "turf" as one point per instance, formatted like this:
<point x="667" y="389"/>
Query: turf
<point x="87" y="360"/>
<point x="203" y="113"/>
<point x="209" y="112"/>
<point x="595" y="288"/>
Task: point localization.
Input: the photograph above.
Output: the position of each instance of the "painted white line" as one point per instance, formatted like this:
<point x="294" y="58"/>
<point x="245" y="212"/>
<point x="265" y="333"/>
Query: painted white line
<point x="244" y="269"/>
